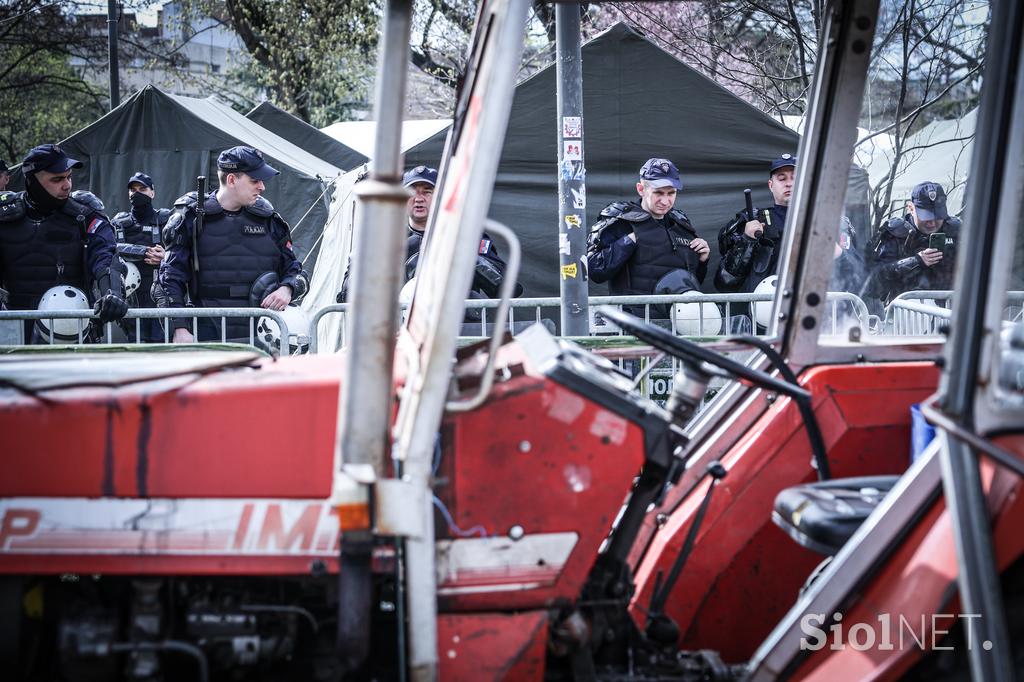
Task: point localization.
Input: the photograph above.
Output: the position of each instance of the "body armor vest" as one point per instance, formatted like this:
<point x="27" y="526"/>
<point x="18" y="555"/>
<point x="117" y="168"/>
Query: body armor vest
<point x="39" y="253"/>
<point x="660" y="248"/>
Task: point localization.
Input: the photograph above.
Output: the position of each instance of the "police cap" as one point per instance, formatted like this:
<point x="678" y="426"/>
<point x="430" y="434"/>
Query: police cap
<point x="661" y="173"/>
<point x="49" y="158"/>
<point x="929" y="201"/>
<point x="246" y="160"/>
<point x="420" y="174"/>
<point x="142" y="179"/>
<point x="782" y="162"/>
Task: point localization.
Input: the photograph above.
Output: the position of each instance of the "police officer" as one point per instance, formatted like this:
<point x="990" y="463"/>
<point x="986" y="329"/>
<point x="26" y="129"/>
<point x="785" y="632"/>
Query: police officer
<point x="490" y="268"/>
<point x="141" y="227"/>
<point x="916" y="251"/>
<point x="637" y="244"/>
<point x="241" y="240"/>
<point x="5" y="175"/>
<point x="750" y="245"/>
<point x="848" y="268"/>
<point x="50" y="236"/>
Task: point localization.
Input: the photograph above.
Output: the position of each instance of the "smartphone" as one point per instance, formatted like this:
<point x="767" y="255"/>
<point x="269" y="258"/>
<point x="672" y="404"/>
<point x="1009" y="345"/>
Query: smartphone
<point x="937" y="241"/>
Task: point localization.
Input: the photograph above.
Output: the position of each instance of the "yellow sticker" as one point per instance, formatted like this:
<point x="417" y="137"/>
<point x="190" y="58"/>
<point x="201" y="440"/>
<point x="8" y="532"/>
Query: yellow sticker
<point x="569" y="271"/>
<point x="572" y="220"/>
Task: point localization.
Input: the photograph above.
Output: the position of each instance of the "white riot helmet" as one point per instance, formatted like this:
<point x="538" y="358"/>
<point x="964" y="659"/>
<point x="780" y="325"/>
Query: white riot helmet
<point x="64" y="330"/>
<point x="405" y="297"/>
<point x="763" y="309"/>
<point x="132" y="277"/>
<point x="268" y="331"/>
<point x="697" y="319"/>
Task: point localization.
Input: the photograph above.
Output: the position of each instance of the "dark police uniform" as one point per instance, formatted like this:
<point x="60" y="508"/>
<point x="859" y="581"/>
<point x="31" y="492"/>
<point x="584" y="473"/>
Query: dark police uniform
<point x="893" y="260"/>
<point x="662" y="245"/>
<point x="45" y="243"/>
<point x="141" y="226"/>
<point x="490" y="268"/>
<point x="234" y="249"/>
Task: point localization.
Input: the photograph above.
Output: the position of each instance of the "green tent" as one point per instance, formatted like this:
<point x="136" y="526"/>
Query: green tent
<point x="305" y="136"/>
<point x="174" y="139"/>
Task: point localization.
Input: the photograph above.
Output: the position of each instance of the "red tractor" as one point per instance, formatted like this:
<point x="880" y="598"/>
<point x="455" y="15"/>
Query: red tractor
<point x="523" y="513"/>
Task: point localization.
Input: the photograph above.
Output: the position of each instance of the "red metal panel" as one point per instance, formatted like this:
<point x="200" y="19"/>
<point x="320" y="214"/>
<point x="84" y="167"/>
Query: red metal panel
<point x="545" y="459"/>
<point x="244" y="433"/>
<point x="492" y="646"/>
<point x="740" y="558"/>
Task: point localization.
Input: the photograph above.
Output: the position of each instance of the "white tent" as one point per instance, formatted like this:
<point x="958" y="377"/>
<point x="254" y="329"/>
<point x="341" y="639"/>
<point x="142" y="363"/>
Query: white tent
<point x="332" y="259"/>
<point x="939" y="152"/>
<point x="359" y="135"/>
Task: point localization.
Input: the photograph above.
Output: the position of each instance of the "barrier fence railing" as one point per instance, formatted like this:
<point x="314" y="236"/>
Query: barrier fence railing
<point x="705" y="316"/>
<point x="926" y="313"/>
<point x="86" y="328"/>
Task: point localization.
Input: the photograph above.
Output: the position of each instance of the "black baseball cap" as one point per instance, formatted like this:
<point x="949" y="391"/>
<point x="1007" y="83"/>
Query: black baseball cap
<point x="142" y="179"/>
<point x="3" y="166"/>
<point x="246" y="160"/>
<point x="929" y="201"/>
<point x="782" y="162"/>
<point x="49" y="158"/>
<point x="661" y="173"/>
<point x="420" y="174"/>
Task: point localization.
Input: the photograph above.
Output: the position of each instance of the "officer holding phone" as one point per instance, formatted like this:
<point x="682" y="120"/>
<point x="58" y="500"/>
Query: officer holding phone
<point x="917" y="251"/>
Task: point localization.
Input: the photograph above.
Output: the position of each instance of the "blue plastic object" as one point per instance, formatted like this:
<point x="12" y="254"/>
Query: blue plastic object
<point x="921" y="432"/>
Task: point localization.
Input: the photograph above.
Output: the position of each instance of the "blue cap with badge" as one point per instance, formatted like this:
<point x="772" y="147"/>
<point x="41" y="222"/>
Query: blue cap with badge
<point x="782" y="162"/>
<point x="929" y="201"/>
<point x="141" y="179"/>
<point x="420" y="174"/>
<point x="661" y="173"/>
<point x="49" y="158"/>
<point x="246" y="160"/>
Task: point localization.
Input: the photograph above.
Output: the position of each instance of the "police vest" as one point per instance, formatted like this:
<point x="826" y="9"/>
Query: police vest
<point x="234" y="249"/>
<point x="130" y="230"/>
<point x="660" y="248"/>
<point x="44" y="252"/>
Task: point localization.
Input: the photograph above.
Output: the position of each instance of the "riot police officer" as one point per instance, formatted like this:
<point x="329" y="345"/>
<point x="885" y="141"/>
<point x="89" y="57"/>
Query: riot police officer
<point x="916" y="251"/>
<point x="490" y="268"/>
<point x="241" y="241"/>
<point x="637" y="244"/>
<point x="51" y="237"/>
<point x="750" y="245"/>
<point x="139" y="243"/>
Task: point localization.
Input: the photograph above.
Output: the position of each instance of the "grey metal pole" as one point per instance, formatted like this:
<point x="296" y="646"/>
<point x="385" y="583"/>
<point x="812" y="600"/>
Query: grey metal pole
<point x="572" y="188"/>
<point x="377" y="275"/>
<point x="363" y="444"/>
<point x="115" y="84"/>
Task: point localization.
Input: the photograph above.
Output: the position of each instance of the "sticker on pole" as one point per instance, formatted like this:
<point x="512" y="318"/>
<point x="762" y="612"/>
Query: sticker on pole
<point x="563" y="244"/>
<point x="572" y="126"/>
<point x="572" y="150"/>
<point x="579" y="197"/>
<point x="569" y="271"/>
<point x="572" y="220"/>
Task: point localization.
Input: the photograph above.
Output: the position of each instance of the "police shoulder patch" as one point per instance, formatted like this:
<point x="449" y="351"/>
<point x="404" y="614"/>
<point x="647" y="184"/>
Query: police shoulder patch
<point x="11" y="207"/>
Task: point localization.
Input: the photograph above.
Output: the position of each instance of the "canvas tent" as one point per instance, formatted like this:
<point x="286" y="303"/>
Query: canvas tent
<point x="638" y="102"/>
<point x="176" y="138"/>
<point x="939" y="152"/>
<point x="305" y="136"/>
<point x="360" y="135"/>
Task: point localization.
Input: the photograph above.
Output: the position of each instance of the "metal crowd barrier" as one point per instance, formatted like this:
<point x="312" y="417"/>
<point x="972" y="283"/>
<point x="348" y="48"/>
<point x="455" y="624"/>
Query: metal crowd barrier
<point x="707" y="316"/>
<point x="926" y="313"/>
<point x="118" y="332"/>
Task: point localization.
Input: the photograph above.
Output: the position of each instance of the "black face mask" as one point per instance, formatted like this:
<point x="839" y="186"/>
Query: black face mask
<point x="140" y="200"/>
<point x="40" y="198"/>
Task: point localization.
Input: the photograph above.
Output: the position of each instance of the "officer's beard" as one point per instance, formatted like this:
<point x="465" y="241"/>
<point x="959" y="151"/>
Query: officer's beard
<point x="40" y="198"/>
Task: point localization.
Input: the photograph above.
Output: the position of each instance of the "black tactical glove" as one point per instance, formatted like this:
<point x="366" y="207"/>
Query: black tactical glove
<point x="111" y="306"/>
